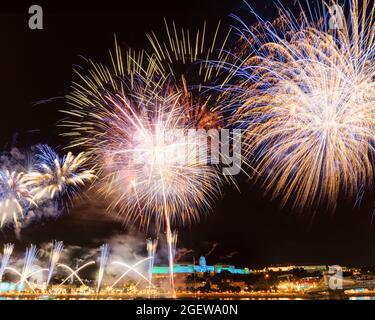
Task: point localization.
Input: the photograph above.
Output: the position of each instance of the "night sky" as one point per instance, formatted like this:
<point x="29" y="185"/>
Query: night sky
<point x="247" y="228"/>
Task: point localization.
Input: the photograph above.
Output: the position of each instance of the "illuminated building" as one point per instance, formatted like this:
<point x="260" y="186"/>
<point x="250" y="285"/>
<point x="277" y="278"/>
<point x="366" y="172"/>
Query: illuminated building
<point x="202" y="267"/>
<point x="9" y="286"/>
<point x="311" y="269"/>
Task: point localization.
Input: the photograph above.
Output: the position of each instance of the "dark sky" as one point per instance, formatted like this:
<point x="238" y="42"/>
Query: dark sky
<point x="37" y="65"/>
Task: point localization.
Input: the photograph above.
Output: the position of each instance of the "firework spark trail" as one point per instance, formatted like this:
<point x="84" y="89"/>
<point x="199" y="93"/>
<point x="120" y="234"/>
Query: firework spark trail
<point x="307" y="101"/>
<point x="55" y="175"/>
<point x="151" y="251"/>
<point x="131" y="268"/>
<point x="7" y="252"/>
<point x="31" y="274"/>
<point x="104" y="254"/>
<point x="174" y="243"/>
<point x="15" y="197"/>
<point x="30" y="256"/>
<point x="74" y="273"/>
<point x="54" y="258"/>
<point x="15" y="271"/>
<point x="21" y="192"/>
<point x="186" y="56"/>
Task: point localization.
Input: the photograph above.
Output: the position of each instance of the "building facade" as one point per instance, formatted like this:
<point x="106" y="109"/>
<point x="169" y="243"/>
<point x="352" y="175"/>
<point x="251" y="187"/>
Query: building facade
<point x="202" y="267"/>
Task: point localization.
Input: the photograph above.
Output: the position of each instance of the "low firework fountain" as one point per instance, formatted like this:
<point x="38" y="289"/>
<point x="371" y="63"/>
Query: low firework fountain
<point x="30" y="269"/>
<point x="103" y="263"/>
<point x="8" y="249"/>
<point x="74" y="273"/>
<point x="30" y="256"/>
<point x="131" y="268"/>
<point x="151" y="250"/>
<point x="55" y="256"/>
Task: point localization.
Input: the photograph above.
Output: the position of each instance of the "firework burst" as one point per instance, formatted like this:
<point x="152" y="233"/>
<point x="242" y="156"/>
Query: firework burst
<point x="56" y="175"/>
<point x="149" y="170"/>
<point x="307" y="101"/>
<point x="15" y="197"/>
